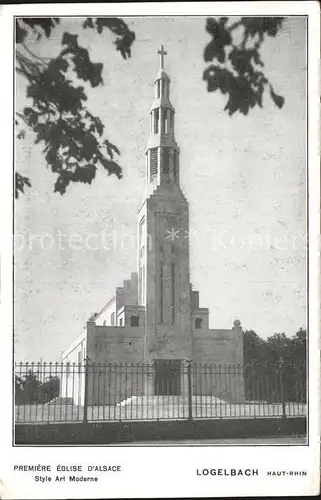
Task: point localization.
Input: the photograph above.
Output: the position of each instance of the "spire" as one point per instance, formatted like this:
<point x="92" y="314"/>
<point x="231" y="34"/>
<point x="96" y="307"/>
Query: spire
<point x="162" y="150"/>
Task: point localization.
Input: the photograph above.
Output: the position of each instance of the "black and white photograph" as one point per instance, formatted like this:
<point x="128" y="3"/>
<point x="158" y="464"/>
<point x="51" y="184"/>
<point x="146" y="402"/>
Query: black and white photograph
<point x="161" y="238"/>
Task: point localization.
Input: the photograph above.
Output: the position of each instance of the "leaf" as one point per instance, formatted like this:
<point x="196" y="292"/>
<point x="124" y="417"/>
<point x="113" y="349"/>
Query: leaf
<point x="61" y="184"/>
<point x="211" y="26"/>
<point x="88" y="23"/>
<point x="219" y="79"/>
<point x="46" y="24"/>
<point x="98" y="124"/>
<point x="58" y="64"/>
<point x="83" y="67"/>
<point x="111" y="148"/>
<point x="21" y="134"/>
<point x="31" y="116"/>
<point x="241" y="60"/>
<point x="212" y="51"/>
<point x="85" y="174"/>
<point x="278" y="99"/>
<point x="111" y="166"/>
<point x="262" y="25"/>
<point x="69" y="39"/>
<point x="125" y="37"/>
<point x="20" y="183"/>
<point x="221" y="38"/>
<point x="237" y="73"/>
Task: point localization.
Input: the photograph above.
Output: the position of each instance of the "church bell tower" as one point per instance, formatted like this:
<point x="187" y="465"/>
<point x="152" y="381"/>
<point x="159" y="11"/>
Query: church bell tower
<point x="163" y="229"/>
<point x="162" y="153"/>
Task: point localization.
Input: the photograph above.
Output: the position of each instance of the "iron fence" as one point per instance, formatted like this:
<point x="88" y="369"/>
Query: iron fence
<point x="176" y="390"/>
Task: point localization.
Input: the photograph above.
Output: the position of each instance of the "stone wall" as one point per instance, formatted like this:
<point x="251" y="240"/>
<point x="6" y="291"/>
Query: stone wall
<point x="169" y="342"/>
<point x="218" y="346"/>
<point x="106" y="314"/>
<point x="72" y="378"/>
<point x="217" y="357"/>
<point x="127" y="312"/>
<point x="222" y="352"/>
<point x="115" y="351"/>
<point x="113" y="344"/>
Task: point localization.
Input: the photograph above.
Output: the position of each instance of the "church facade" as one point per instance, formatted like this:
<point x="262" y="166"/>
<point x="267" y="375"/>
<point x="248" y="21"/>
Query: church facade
<point x="155" y="316"/>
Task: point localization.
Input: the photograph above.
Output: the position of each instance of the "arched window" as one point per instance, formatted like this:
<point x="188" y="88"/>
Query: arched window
<point x="158" y="89"/>
<point x="121" y="322"/>
<point x="198" y="323"/>
<point x="134" y="321"/>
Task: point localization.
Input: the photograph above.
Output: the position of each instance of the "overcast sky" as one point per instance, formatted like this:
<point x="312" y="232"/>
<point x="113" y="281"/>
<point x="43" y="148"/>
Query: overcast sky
<point x="244" y="177"/>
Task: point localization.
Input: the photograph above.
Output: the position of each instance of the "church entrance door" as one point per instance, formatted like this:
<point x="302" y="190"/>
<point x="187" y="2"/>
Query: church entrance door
<point x="167" y="377"/>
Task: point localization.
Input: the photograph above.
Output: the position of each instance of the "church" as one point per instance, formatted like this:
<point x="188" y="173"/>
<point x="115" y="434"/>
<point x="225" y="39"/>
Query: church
<point x="155" y="317"/>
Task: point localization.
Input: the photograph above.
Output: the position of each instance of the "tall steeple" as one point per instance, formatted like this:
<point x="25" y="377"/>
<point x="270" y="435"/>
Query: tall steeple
<point x="163" y="227"/>
<point x="162" y="153"/>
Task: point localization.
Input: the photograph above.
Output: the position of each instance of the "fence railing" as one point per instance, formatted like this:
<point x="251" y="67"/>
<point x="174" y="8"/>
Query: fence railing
<point x="176" y="390"/>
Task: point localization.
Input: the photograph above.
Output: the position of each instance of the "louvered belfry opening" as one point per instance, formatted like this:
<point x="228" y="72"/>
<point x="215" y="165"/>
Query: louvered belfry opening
<point x="153" y="162"/>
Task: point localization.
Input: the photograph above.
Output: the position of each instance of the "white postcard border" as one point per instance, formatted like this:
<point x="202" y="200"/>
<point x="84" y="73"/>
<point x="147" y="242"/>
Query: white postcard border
<point x="161" y="471"/>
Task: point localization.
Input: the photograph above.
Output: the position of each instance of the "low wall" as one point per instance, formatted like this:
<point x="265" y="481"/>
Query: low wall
<point x="118" y="432"/>
<point x="225" y="349"/>
<point x="116" y="346"/>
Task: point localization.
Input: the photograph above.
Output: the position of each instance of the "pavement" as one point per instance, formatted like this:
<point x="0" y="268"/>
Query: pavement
<point x="289" y="440"/>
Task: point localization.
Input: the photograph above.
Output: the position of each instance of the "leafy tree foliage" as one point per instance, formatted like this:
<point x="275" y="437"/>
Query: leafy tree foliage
<point x="30" y="390"/>
<point x="275" y="367"/>
<point x="236" y="69"/>
<point x="73" y="138"/>
<point x="258" y="350"/>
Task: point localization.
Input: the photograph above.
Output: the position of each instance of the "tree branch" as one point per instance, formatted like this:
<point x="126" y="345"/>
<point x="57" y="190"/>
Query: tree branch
<point x="40" y="59"/>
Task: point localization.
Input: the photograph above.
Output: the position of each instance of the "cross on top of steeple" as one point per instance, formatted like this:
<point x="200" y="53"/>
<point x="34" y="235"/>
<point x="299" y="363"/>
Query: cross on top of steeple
<point x="162" y="53"/>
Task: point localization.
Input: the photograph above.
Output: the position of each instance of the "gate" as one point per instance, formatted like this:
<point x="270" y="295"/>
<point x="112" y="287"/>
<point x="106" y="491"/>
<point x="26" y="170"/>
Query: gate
<point x="167" y="377"/>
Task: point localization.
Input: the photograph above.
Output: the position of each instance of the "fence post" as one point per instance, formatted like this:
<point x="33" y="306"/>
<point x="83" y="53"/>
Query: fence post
<point x="189" y="382"/>
<point x="85" y="419"/>
<point x="281" y="387"/>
